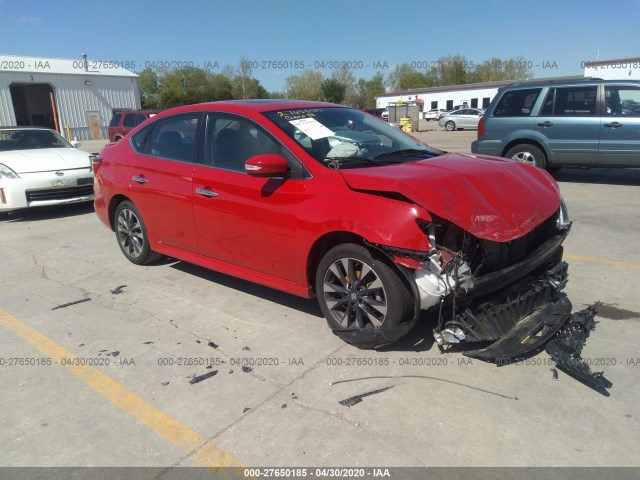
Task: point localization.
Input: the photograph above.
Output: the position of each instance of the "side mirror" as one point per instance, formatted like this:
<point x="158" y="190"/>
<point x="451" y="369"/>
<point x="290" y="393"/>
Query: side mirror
<point x="267" y="165"/>
<point x="75" y="143"/>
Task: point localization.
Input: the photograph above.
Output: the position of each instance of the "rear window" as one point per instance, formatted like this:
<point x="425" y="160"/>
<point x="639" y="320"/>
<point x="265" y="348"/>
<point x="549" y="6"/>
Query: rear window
<point x="517" y="103"/>
<point x="570" y="101"/>
<point x="115" y="120"/>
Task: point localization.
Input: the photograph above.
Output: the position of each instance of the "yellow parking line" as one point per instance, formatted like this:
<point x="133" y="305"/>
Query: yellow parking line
<point x="602" y="261"/>
<point x="161" y="424"/>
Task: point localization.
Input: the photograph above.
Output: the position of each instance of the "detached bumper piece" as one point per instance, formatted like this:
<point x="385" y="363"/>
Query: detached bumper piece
<point x="519" y="321"/>
<point x="565" y="349"/>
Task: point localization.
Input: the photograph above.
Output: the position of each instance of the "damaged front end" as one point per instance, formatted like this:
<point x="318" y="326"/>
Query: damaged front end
<point x="500" y="301"/>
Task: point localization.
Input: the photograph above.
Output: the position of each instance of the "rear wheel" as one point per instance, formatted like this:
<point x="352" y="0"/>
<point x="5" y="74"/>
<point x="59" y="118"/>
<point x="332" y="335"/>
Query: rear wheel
<point x="526" y="153"/>
<point x="450" y="126"/>
<point x="131" y="233"/>
<point x="364" y="300"/>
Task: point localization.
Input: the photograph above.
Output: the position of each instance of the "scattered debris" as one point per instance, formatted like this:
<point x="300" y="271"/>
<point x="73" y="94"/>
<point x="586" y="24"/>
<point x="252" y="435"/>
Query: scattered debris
<point x="555" y="373"/>
<point x="209" y="367"/>
<point x="147" y="343"/>
<point x="102" y="351"/>
<point x="246" y="348"/>
<point x="245" y="409"/>
<point x="284" y="405"/>
<point x="198" y="341"/>
<point x="566" y="346"/>
<point x="164" y="384"/>
<point x="246" y="369"/>
<point x="65" y="305"/>
<point x="230" y="372"/>
<point x="294" y="396"/>
<point x="193" y="375"/>
<point x="351" y="401"/>
<point x="202" y="377"/>
<point x="81" y="344"/>
<point x="118" y="290"/>
<point x="114" y="354"/>
<point x="212" y="345"/>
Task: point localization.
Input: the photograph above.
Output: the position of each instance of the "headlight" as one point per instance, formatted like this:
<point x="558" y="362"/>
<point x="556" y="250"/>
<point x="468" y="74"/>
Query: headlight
<point x="563" y="222"/>
<point x="6" y="172"/>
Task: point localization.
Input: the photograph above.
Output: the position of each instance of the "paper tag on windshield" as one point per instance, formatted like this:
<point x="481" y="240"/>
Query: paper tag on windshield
<point x="312" y="128"/>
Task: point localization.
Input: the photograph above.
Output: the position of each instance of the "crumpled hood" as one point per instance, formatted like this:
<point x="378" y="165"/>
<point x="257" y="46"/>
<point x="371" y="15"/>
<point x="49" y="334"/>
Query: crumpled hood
<point x="492" y="198"/>
<point x="45" y="160"/>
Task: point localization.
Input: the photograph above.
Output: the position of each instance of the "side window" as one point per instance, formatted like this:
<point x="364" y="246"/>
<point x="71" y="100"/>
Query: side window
<point x="517" y="103"/>
<point x="138" y="119"/>
<point x="139" y="140"/>
<point x="622" y="101"/>
<point x="232" y="141"/>
<point x="129" y="120"/>
<point x="570" y="101"/>
<point x="175" y="138"/>
<point x="115" y="120"/>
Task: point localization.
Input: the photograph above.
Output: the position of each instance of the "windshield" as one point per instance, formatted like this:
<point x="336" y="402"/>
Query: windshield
<point x="31" y="139"/>
<point x="347" y="138"/>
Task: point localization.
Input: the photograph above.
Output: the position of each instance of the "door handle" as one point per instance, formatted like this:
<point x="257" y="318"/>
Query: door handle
<point x="137" y="179"/>
<point x="612" y="125"/>
<point x="206" y="193"/>
<point x="545" y="124"/>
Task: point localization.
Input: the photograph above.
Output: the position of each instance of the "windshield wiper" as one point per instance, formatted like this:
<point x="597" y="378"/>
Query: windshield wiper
<point x="405" y="151"/>
<point x="339" y="160"/>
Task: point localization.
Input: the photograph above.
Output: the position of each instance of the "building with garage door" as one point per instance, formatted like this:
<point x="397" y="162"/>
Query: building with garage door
<point x="74" y="97"/>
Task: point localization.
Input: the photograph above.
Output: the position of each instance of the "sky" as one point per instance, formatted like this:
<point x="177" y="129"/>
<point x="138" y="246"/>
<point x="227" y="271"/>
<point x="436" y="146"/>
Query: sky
<point x="282" y="37"/>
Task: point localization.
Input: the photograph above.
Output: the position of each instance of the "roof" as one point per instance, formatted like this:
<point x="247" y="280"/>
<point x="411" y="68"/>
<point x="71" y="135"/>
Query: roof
<point x="632" y="62"/>
<point x="469" y="86"/>
<point x="15" y="63"/>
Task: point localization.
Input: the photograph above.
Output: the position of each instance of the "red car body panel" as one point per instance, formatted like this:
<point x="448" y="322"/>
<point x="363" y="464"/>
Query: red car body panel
<point x="263" y="229"/>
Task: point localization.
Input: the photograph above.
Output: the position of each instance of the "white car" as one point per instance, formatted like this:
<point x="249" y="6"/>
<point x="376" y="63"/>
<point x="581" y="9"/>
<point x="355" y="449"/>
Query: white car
<point x="39" y="167"/>
<point x="434" y="114"/>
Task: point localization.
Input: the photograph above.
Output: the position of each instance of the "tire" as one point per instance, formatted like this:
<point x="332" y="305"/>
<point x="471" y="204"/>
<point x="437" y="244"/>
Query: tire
<point x="450" y="126"/>
<point x="528" y="154"/>
<point x="131" y="234"/>
<point x="376" y="310"/>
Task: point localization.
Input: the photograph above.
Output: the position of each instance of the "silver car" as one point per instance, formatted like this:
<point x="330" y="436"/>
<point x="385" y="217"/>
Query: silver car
<point x="460" y="119"/>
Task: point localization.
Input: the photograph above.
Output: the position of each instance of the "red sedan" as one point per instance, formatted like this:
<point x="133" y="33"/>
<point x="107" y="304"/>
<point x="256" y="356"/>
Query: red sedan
<point x="321" y="200"/>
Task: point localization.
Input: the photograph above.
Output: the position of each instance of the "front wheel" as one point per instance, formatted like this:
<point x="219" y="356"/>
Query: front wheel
<point x="131" y="233"/>
<point x="450" y="126"/>
<point x="364" y="300"/>
<point x="526" y="153"/>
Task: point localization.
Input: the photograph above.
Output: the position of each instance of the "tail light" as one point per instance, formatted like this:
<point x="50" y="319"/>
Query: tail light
<point x="481" y="127"/>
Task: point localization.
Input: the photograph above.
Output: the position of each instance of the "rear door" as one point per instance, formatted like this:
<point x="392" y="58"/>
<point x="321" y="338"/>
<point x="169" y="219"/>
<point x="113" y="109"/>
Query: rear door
<point x="569" y="125"/>
<point x="620" y="126"/>
<point x="161" y="179"/>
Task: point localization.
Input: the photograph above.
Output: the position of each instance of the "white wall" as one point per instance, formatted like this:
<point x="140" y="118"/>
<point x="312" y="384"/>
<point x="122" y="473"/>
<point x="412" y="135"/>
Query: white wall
<point x="74" y="98"/>
<point x="458" y="97"/>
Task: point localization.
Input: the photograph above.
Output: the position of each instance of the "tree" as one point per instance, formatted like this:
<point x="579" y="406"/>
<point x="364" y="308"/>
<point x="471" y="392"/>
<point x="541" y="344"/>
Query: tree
<point x="449" y="70"/>
<point x="148" y="85"/>
<point x="405" y="77"/>
<point x="306" y="86"/>
<point x="333" y="90"/>
<point x="243" y="84"/>
<point x="496" y="69"/>
<point x="188" y="85"/>
<point x="366" y="91"/>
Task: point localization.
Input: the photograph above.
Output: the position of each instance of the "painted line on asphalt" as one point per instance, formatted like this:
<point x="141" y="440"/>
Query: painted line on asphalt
<point x="602" y="261"/>
<point x="173" y="432"/>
